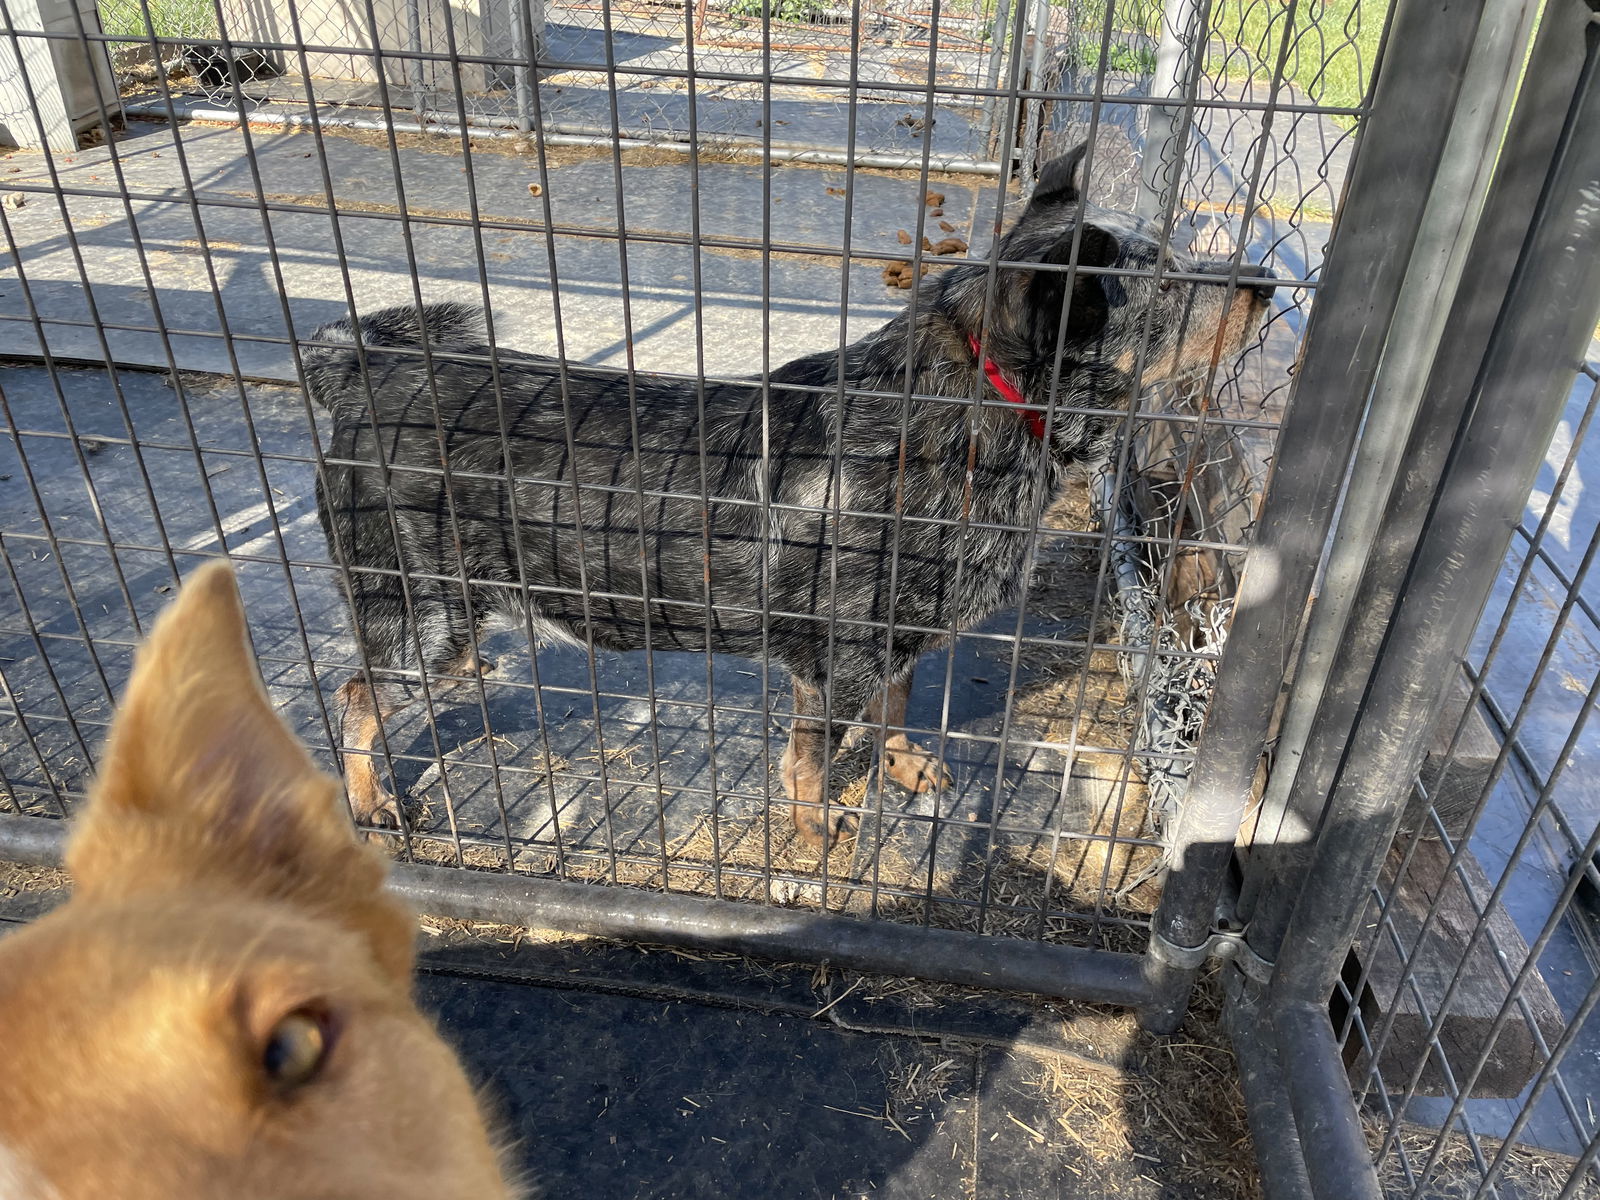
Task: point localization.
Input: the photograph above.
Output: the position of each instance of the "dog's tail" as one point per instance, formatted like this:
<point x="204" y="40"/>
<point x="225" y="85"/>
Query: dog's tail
<point x="333" y="371"/>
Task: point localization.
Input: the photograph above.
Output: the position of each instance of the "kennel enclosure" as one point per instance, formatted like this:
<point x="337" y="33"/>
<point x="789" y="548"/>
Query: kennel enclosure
<point x="1195" y="738"/>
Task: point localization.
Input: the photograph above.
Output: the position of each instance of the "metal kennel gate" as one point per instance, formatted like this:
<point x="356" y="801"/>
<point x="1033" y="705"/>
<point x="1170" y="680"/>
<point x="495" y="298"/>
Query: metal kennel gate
<point x="163" y="273"/>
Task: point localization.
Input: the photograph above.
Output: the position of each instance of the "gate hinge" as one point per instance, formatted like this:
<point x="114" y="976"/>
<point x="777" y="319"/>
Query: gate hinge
<point x="1222" y="943"/>
<point x="1252" y="965"/>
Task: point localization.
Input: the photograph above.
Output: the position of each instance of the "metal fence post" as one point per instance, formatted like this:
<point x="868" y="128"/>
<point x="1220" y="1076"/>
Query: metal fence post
<point x="1492" y="459"/>
<point x="1412" y="102"/>
<point x="527" y="18"/>
<point x="1543" y="327"/>
<point x="1280" y="1157"/>
<point x="997" y="143"/>
<point x="1444" y="248"/>
<point x="1034" y="109"/>
<point x="418" y="71"/>
<point x="1181" y="37"/>
<point x="1509" y="213"/>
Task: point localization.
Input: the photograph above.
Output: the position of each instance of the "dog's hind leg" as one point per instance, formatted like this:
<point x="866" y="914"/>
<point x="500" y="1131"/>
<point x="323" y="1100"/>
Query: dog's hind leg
<point x="385" y="624"/>
<point x="446" y="649"/>
<point x="905" y="762"/>
<point x="370" y="801"/>
<point x="805" y="760"/>
<point x="470" y="663"/>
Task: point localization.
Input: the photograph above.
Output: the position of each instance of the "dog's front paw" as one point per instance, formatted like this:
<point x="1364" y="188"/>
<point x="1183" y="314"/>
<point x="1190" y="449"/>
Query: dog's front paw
<point x="916" y="769"/>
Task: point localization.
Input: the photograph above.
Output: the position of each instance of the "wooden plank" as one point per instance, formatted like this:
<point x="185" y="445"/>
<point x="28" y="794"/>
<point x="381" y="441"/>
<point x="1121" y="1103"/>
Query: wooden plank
<point x="1453" y="782"/>
<point x="1484" y="986"/>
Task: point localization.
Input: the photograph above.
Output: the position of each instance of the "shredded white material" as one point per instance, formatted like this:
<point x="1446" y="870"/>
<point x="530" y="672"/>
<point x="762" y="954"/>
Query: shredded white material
<point x="1173" y="690"/>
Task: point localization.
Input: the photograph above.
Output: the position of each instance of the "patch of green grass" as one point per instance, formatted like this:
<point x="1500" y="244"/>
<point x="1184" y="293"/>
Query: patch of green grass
<point x="976" y="9"/>
<point x="1141" y="17"/>
<point x="794" y="11"/>
<point x="1332" y="46"/>
<point x="1119" y="56"/>
<point x="168" y="18"/>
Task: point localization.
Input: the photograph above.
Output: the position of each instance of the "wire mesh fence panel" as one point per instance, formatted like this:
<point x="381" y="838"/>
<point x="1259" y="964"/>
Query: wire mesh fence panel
<point x="1467" y="1008"/>
<point x="621" y="189"/>
<point x="734" y="77"/>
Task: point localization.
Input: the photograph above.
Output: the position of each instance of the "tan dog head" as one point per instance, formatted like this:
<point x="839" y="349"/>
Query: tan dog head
<point x="222" y="1011"/>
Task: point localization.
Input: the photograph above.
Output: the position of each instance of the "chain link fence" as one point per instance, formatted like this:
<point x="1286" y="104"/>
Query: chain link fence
<point x="970" y="86"/>
<point x="736" y="76"/>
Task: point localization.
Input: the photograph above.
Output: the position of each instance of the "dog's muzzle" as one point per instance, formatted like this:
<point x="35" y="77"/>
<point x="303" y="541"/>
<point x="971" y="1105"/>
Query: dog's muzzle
<point x="1258" y="279"/>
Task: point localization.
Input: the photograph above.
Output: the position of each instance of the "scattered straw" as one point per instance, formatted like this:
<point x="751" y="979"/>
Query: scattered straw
<point x="16" y="879"/>
<point x="1528" y="1173"/>
<point x="1175" y="1103"/>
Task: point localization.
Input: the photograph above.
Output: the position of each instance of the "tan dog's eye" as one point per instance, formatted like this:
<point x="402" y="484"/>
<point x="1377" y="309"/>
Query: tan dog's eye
<point x="295" y="1050"/>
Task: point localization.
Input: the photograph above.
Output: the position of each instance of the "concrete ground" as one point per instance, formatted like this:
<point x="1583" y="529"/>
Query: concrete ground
<point x="176" y="214"/>
<point x="381" y="256"/>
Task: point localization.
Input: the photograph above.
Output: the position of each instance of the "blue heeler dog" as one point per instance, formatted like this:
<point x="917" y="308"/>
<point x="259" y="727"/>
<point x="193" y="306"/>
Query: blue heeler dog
<point x="793" y="541"/>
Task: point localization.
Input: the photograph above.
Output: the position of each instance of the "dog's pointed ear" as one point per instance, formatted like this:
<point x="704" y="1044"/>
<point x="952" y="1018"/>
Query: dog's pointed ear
<point x="1048" y="296"/>
<point x="201" y="783"/>
<point x="1058" y="179"/>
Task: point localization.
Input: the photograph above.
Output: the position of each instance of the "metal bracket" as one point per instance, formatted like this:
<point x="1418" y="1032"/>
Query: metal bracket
<point x="1252" y="965"/>
<point x="1222" y="943"/>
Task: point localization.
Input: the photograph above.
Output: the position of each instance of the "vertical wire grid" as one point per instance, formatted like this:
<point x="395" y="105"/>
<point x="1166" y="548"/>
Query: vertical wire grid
<point x="422" y="72"/>
<point x="875" y="797"/>
<point x="974" y="418"/>
<point x="1545" y="804"/>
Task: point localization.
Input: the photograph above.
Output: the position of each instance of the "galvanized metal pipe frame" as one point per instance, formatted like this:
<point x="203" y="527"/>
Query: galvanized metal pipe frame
<point x="1532" y="137"/>
<point x="1401" y="147"/>
<point x="1263" y="1082"/>
<point x="1435" y="560"/>
<point x="783" y="934"/>
<point x="1326" y="1124"/>
<point x="1182" y="36"/>
<point x="1543" y="326"/>
<point x="1443" y="249"/>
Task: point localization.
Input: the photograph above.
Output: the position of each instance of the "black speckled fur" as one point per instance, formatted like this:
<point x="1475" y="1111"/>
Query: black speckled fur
<point x="818" y="568"/>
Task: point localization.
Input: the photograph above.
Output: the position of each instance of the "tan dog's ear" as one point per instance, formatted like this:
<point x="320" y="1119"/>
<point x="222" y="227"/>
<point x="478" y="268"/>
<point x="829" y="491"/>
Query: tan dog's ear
<point x="200" y="782"/>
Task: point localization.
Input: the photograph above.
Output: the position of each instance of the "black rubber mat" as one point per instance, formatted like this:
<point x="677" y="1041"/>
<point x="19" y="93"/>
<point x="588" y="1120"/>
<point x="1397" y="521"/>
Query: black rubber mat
<point x="652" y="1075"/>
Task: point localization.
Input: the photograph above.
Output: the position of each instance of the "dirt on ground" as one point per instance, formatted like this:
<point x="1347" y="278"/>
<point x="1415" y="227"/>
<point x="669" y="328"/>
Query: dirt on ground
<point x="555" y="154"/>
<point x="1527" y="1174"/>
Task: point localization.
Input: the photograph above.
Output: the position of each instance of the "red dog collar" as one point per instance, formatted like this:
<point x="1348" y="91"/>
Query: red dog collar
<point x="1008" y="390"/>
